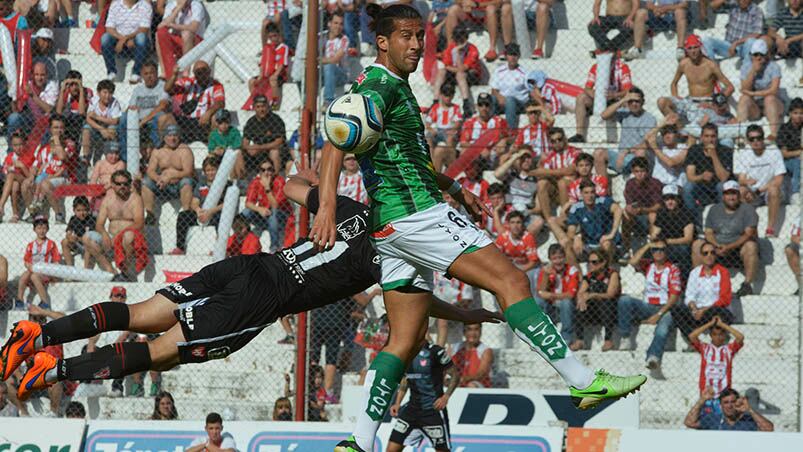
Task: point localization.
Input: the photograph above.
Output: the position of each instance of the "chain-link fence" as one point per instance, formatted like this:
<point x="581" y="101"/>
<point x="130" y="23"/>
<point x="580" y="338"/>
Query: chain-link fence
<point x="604" y="189"/>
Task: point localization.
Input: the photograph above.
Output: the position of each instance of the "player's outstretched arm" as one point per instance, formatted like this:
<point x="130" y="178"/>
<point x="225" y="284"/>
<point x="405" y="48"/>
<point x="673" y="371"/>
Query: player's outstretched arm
<point x="443" y="310"/>
<point x="323" y="233"/>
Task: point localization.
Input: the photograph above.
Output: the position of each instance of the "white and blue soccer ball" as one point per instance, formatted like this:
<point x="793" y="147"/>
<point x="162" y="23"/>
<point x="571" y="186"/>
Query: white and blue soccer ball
<point x="353" y="123"/>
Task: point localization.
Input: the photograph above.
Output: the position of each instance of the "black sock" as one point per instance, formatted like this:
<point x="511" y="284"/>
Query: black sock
<point x="108" y="316"/>
<point x="107" y="363"/>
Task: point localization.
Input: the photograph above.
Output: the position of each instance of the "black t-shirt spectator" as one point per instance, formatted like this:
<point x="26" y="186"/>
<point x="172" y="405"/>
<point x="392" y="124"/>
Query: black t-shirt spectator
<point x="789" y="137"/>
<point x="81" y="226"/>
<point x="262" y="131"/>
<point x="697" y="157"/>
<point x="672" y="223"/>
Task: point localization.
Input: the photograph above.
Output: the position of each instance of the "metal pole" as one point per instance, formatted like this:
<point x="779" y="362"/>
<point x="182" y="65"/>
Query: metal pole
<point x="305" y="135"/>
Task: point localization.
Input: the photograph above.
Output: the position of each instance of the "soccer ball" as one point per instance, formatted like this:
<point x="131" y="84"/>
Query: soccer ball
<point x="353" y="124"/>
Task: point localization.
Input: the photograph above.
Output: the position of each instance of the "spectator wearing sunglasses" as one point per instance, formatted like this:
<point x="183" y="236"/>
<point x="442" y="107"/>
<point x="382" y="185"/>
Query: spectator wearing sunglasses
<point x="635" y="124"/>
<point x="596" y="301"/>
<point x="266" y="207"/>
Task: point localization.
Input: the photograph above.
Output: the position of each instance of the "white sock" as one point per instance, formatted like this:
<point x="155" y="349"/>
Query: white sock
<point x="573" y="372"/>
<point x="365" y="430"/>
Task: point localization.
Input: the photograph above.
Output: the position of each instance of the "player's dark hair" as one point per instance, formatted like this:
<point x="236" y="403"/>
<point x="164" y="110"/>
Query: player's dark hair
<point x="106" y="84"/>
<point x="585" y="183"/>
<point x="121" y="173"/>
<point x="515" y="214"/>
<point x="80" y="201"/>
<point x="640" y="162"/>
<point x="383" y="19"/>
<point x="728" y="392"/>
<point x="496" y="188"/>
<point x="583" y="157"/>
<point x="755" y="128"/>
<point x="711" y="126"/>
<point x="157" y="414"/>
<point x="554" y="249"/>
<point x="796" y="104"/>
<point x="213" y="418"/>
<point x="211" y="160"/>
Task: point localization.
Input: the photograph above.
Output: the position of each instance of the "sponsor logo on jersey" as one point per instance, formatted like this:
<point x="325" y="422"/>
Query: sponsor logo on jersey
<point x="434" y="432"/>
<point x="102" y="374"/>
<point x="401" y="426"/>
<point x="377" y="260"/>
<point x="289" y="256"/>
<point x="218" y="353"/>
<point x="360" y="79"/>
<point x="198" y="352"/>
<point x="187" y="317"/>
<point x="351" y="228"/>
<point x="180" y="290"/>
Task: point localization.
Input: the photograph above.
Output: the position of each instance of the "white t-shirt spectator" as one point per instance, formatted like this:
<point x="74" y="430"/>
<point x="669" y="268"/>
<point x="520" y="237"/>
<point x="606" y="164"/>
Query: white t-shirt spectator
<point x="49" y="95"/>
<point x="762" y="167"/>
<point x="332" y="46"/>
<point x="227" y="443"/>
<point x="196" y="12"/>
<point x="670" y="175"/>
<point x="111" y="112"/>
<point x="146" y="99"/>
<point x="510" y="82"/>
<point x="128" y="20"/>
<point x="709" y="290"/>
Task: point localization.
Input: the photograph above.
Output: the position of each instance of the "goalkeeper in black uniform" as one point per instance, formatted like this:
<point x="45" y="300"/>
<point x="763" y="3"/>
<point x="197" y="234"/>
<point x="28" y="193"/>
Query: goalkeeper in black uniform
<point x="424" y="415"/>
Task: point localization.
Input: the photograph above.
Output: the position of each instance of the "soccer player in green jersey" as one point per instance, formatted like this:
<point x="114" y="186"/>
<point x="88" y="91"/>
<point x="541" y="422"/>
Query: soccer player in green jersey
<point x="415" y="232"/>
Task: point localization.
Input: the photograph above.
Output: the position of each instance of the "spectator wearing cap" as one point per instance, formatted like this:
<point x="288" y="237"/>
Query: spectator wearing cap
<point x="442" y="126"/>
<point x="791" y="22"/>
<point x="669" y="154"/>
<point x="263" y="139"/>
<point x="462" y="11"/>
<point x="460" y="65"/>
<point x="40" y="250"/>
<point x="215" y="440"/>
<point x="40" y="96"/>
<point x="128" y="26"/>
<point x="635" y="124"/>
<point x="619" y="15"/>
<point x="102" y="119"/>
<point x="182" y="28"/>
<point x="104" y="168"/>
<point x="485" y="122"/>
<point x="196" y="213"/>
<point x="760" y="82"/>
<point x="736" y="414"/>
<point x="171" y="174"/>
<point x="674" y="224"/>
<point x="224" y="136"/>
<point x="708" y="166"/>
<point x="195" y="101"/>
<point x="761" y="172"/>
<point x="789" y="142"/>
<point x="539" y="17"/>
<point x="509" y="86"/>
<point x="704" y="78"/>
<point x="745" y="23"/>
<point x="73" y="103"/>
<point x="619" y="83"/>
<point x="333" y="48"/>
<point x="642" y="201"/>
<point x="152" y="105"/>
<point x="43" y="50"/>
<point x="659" y="16"/>
<point x="730" y="227"/>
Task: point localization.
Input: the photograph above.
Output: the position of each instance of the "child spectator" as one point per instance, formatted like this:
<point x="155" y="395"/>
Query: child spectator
<point x="716" y="358"/>
<point x="15" y="172"/>
<point x="443" y="123"/>
<point x="80" y="228"/>
<point x="101" y="120"/>
<point x="242" y="241"/>
<point x="164" y="407"/>
<point x="266" y="207"/>
<point x="103" y="169"/>
<point x="41" y="249"/>
<point x="316" y="396"/>
<point x="274" y="72"/>
<point x="224" y="136"/>
<point x="461" y="65"/>
<point x="282" y="409"/>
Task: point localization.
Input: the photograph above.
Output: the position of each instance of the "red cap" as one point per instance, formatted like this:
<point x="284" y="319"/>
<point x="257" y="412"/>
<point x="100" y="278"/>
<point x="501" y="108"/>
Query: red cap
<point x="118" y="291"/>
<point x="692" y="41"/>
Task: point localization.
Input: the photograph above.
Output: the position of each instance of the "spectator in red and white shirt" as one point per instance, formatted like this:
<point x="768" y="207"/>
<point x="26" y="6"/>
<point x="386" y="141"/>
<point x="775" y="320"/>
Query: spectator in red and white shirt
<point x="350" y="183"/>
<point x="499" y="208"/>
<point x="40" y="95"/>
<point x="716" y="358"/>
<point x="556" y="285"/>
<point x="442" y="126"/>
<point x="487" y="13"/>
<point x="583" y="168"/>
<point x="273" y="71"/>
<point x="473" y="358"/>
<point x="544" y="93"/>
<point x="516" y="243"/>
<point x="555" y="172"/>
<point x="182" y="28"/>
<point x="708" y="293"/>
<point x="473" y="181"/>
<point x="792" y="249"/>
<point x="273" y="15"/>
<point x="662" y="287"/>
<point x="195" y="102"/>
<point x="536" y="133"/>
<point x="242" y="242"/>
<point x="619" y="83"/>
<point x="266" y="206"/>
<point x="333" y="50"/>
<point x="15" y="172"/>
<point x="73" y="103"/>
<point x="461" y="65"/>
<point x="53" y="159"/>
<point x="40" y="250"/>
<point x="482" y="123"/>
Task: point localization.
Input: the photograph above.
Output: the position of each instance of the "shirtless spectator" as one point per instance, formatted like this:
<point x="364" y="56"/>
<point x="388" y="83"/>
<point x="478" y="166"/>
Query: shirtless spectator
<point x="761" y="172"/>
<point x="126" y="216"/>
<point x="635" y="124"/>
<point x="485" y="121"/>
<point x="263" y="139"/>
<point x="659" y="16"/>
<point x="760" y="83"/>
<point x="40" y="96"/>
<point x="619" y="83"/>
<point x="170" y="174"/>
<point x="790" y="21"/>
<point x="745" y="23"/>
<point x="195" y="102"/>
<point x="473" y="358"/>
<point x="181" y="29"/>
<point x="619" y="15"/>
<point x="467" y="11"/>
<point x="708" y="166"/>
<point x="555" y="172"/>
<point x="789" y="142"/>
<point x="103" y="169"/>
<point x="704" y="79"/>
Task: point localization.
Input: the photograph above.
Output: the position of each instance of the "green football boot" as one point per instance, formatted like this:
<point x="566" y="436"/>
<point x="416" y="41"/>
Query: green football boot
<point x="348" y="445"/>
<point x="605" y="387"/>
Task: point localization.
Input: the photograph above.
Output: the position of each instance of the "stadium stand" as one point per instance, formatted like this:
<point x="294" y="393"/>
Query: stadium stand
<point x="247" y="383"/>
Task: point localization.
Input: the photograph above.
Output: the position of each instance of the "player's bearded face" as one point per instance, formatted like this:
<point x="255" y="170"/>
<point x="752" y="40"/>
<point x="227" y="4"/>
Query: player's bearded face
<point x="406" y="45"/>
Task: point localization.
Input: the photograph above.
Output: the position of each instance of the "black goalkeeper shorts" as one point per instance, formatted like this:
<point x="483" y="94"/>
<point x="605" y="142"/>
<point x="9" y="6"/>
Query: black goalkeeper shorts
<point x="224" y="306"/>
<point x="413" y="425"/>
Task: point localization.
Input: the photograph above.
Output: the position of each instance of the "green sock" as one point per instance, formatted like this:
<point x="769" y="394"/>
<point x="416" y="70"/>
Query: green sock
<point x="535" y="328"/>
<point x="381" y="381"/>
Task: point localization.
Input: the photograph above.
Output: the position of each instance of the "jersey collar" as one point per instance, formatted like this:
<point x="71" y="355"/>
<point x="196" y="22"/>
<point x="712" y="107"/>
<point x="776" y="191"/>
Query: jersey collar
<point x="382" y="66"/>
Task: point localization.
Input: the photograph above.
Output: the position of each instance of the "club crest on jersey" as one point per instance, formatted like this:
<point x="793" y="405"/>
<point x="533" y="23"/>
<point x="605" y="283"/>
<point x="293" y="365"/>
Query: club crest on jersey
<point x="360" y="79"/>
<point x="352" y="227"/>
<point x="199" y="351"/>
<point x="289" y="255"/>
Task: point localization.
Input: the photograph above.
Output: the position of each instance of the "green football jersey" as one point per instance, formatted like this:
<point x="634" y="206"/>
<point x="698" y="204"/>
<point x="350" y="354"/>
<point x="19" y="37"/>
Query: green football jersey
<point x="398" y="172"/>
